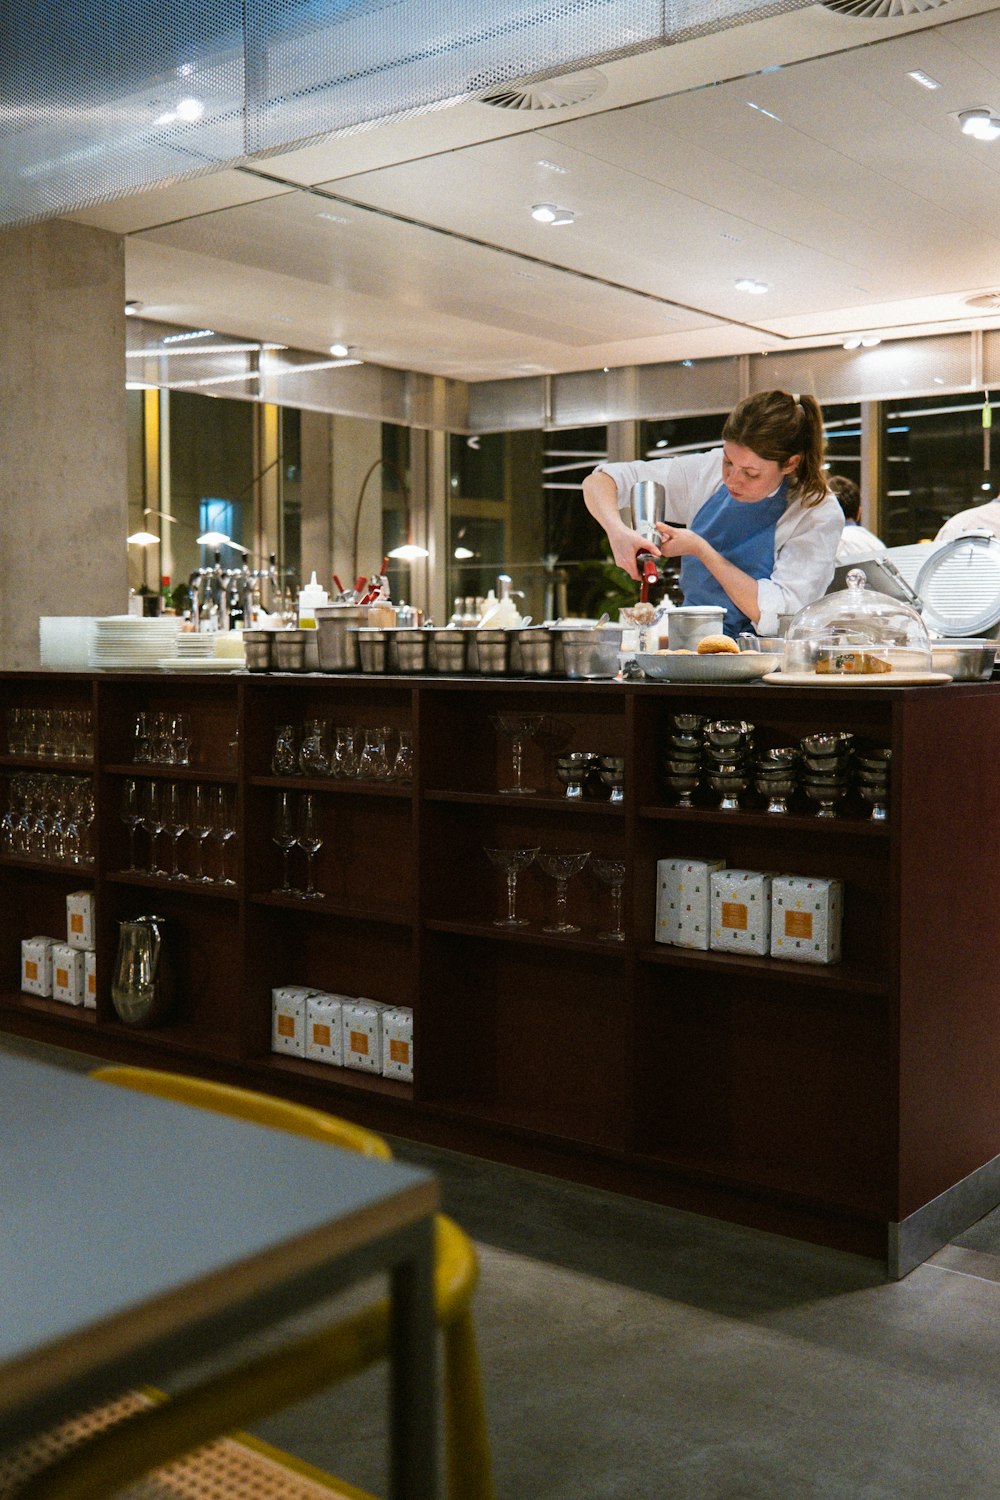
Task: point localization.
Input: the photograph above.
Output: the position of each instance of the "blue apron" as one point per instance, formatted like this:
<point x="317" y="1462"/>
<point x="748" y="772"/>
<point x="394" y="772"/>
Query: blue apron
<point x="743" y="532"/>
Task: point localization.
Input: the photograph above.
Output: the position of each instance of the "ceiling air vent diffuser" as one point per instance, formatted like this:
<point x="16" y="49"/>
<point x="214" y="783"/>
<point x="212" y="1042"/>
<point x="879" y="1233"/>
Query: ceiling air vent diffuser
<point x="550" y="93"/>
<point x="880" y="10"/>
<point x="986" y="302"/>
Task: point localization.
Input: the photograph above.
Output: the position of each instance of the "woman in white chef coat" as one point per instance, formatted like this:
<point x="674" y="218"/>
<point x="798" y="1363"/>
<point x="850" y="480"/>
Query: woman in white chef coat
<point x="757" y="529"/>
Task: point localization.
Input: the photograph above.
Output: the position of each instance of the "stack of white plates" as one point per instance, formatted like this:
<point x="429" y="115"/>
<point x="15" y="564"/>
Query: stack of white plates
<point x="195" y="645"/>
<point x="130" y="641"/>
<point x="64" y="641"/>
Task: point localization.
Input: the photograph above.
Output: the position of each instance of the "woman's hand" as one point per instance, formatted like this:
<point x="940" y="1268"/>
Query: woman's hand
<point x="628" y="546"/>
<point x="680" y="541"/>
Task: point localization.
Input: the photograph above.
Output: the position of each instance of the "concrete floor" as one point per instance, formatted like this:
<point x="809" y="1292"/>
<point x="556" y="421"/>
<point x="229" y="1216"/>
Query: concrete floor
<point x="631" y="1352"/>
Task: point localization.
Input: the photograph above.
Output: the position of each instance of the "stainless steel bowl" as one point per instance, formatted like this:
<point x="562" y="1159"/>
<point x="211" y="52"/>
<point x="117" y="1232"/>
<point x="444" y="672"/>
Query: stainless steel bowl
<point x="966" y="660"/>
<point x="590" y="653"/>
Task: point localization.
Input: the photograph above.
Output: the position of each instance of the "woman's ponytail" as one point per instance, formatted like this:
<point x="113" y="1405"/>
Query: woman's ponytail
<point x="777" y="426"/>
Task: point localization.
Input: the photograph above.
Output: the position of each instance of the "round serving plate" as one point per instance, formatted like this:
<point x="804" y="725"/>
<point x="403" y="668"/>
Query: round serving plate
<point x="857" y="679"/>
<point x="725" y="666"/>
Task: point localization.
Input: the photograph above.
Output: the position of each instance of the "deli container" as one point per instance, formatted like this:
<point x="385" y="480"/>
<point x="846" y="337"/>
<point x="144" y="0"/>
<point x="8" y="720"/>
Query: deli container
<point x="492" y="651"/>
<point x="376" y="648"/>
<point x="533" y="652"/>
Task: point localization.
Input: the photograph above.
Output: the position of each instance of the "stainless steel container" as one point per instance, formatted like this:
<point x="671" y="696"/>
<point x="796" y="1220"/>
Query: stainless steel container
<point x="590" y="653"/>
<point x="493" y="651"/>
<point x="966" y="660"/>
<point x="337" y="645"/>
<point x="290" y="650"/>
<point x="258" y="648"/>
<point x="376" y="648"/>
<point x="533" y="651"/>
<point x="691" y="623"/>
<point x="411" y="650"/>
<point x="447" y="650"/>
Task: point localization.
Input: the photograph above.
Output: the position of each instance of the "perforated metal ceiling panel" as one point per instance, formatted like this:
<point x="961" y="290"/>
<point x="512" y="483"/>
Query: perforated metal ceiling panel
<point x="101" y="97"/>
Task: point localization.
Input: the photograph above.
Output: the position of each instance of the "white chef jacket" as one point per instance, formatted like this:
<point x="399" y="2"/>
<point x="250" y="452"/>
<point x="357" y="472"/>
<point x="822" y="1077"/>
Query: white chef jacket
<point x="857" y="542"/>
<point x="979" y="518"/>
<point x="805" y="538"/>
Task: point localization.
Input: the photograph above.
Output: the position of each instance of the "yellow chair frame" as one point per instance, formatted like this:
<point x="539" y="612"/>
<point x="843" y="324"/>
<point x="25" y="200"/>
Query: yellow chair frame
<point x="168" y="1428"/>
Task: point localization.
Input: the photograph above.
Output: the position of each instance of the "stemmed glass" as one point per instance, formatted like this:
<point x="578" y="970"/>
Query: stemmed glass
<point x="562" y="866"/>
<point x="131" y="814"/>
<point x="511" y="862"/>
<point x="310" y="840"/>
<point x="201" y="827"/>
<point x="611" y="872"/>
<point x="520" y="727"/>
<point x="283" y="833"/>
<point x="154" y="819"/>
<point x="223" y="826"/>
<point x="175" y="822"/>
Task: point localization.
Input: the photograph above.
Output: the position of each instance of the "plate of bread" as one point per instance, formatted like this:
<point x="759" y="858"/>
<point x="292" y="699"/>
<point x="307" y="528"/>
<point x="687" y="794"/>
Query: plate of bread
<point x="717" y="658"/>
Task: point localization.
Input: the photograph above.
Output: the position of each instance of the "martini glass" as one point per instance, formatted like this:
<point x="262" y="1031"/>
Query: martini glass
<point x="561" y="866"/>
<point x="520" y="727"/>
<point x="511" y="862"/>
<point x="611" y="872"/>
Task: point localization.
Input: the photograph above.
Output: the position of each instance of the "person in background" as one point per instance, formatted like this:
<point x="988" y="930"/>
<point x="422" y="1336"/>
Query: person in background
<point x="980" y="518"/>
<point x="753" y="522"/>
<point x="857" y="541"/>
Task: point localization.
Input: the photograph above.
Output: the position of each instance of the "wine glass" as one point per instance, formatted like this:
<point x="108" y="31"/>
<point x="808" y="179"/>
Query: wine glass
<point x="175" y="822"/>
<point x="154" y="819"/>
<point x="561" y="866"/>
<point x="511" y="862"/>
<point x="611" y="872"/>
<point x="223" y="826"/>
<point x="283" y="833"/>
<point x="131" y="814"/>
<point x="520" y="727"/>
<point x="201" y="827"/>
<point x="310" y="840"/>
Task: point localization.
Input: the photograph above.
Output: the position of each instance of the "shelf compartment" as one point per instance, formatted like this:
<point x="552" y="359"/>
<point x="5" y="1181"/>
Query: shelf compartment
<point x="532" y="935"/>
<point x="189" y="887"/>
<point x="528" y="1035"/>
<point x="140" y="771"/>
<point x="49" y="763"/>
<point x="350" y="1080"/>
<point x="47" y="866"/>
<point x="20" y="1002"/>
<point x="389" y="916"/>
<point x="572" y="805"/>
<point x="337" y="786"/>
<point x="840" y="976"/>
<point x="856" y="826"/>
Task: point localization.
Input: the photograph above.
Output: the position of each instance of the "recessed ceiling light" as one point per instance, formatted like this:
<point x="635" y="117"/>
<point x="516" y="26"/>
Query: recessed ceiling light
<point x="938" y="380"/>
<point x="551" y="213"/>
<point x="762" y="111"/>
<point x="525" y="276"/>
<point x="748" y="284"/>
<point x="984" y="486"/>
<point x="924" y="79"/>
<point x="332" y="218"/>
<point x="183" y="338"/>
<point x="551" y="166"/>
<point x="734" y="238"/>
<point x="461" y="553"/>
<point x="854" y="342"/>
<point x="982" y="124"/>
<point x="339" y="351"/>
<point x="870" y="340"/>
<point x="688" y="363"/>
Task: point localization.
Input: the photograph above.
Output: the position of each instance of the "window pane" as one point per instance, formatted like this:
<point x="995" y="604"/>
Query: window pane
<point x="936" y="464"/>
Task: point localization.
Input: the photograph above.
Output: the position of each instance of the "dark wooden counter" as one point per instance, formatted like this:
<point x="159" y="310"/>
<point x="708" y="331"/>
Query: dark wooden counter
<point x="851" y="1104"/>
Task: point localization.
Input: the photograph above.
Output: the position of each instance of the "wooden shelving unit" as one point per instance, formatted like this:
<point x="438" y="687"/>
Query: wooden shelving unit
<point x="835" y="1102"/>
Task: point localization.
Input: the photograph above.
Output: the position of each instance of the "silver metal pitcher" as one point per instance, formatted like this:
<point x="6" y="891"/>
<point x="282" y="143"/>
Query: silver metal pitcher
<point x="647" y="504"/>
<point x="140" y="987"/>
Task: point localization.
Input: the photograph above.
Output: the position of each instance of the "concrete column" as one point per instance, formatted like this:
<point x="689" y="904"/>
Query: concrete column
<point x="317" y="497"/>
<point x="63" y="453"/>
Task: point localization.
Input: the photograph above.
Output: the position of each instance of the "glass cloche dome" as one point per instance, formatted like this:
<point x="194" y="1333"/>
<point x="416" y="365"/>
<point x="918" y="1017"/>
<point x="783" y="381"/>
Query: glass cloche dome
<point x="857" y="631"/>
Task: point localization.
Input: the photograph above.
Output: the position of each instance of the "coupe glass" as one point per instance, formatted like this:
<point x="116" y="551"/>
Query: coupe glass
<point x="131" y="813"/>
<point x="310" y="840"/>
<point x="511" y="862"/>
<point x="285" y="835"/>
<point x="520" y="727"/>
<point x="561" y="866"/>
<point x="175" y="822"/>
<point x="611" y="872"/>
<point x="200" y="825"/>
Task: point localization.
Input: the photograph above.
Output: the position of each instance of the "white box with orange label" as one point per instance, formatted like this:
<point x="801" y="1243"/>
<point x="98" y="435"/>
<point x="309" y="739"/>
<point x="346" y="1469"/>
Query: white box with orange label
<point x="397" y="1043"/>
<point x="90" y="980"/>
<point x="363" y="1034"/>
<point x="741" y="911"/>
<point x="36" y="965"/>
<point x="806" y="917"/>
<point x="325" y="1029"/>
<point x="683" y="901"/>
<point x="80" y="919"/>
<point x="288" y="1018"/>
<point x="67" y="974"/>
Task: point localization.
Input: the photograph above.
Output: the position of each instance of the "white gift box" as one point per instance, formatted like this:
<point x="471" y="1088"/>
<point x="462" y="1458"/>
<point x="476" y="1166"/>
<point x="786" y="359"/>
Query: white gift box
<point x="806" y="918"/>
<point x="324" y="1028"/>
<point x="683" y="892"/>
<point x="36" y="965"/>
<point x="363" y="1035"/>
<point x="397" y="1043"/>
<point x="90" y="980"/>
<point x="288" y="1018"/>
<point x="80" y="919"/>
<point x="67" y="974"/>
<point x="741" y="911"/>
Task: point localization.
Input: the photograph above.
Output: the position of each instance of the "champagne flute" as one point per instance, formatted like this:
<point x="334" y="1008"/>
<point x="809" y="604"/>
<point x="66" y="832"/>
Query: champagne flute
<point x="283" y="833"/>
<point x="309" y="839"/>
<point x="131" y="814"/>
<point x="201" y="827"/>
<point x="154" y="819"/>
<point x="223" y="826"/>
<point x="175" y="822"/>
